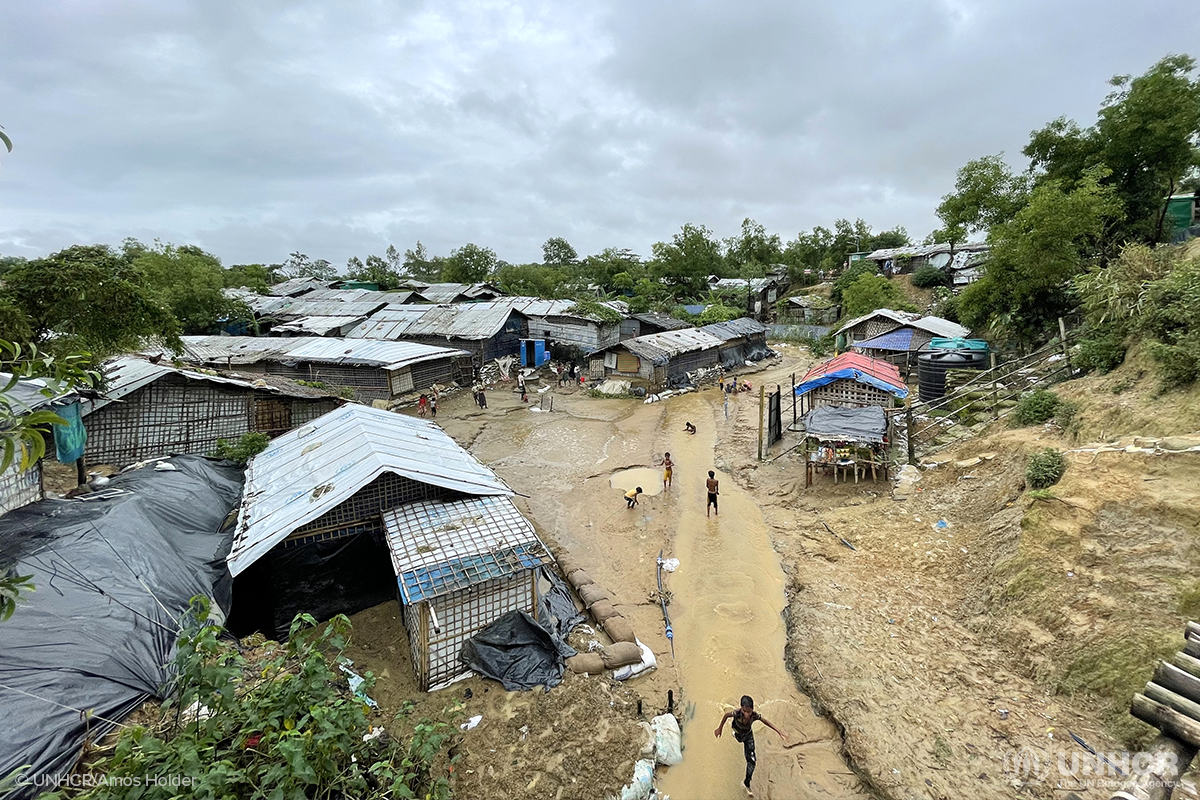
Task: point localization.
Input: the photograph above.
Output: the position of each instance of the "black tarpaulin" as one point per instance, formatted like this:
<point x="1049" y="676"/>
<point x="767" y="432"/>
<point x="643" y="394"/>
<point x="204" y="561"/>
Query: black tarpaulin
<point x="112" y="576"/>
<point x="518" y="652"/>
<point x="829" y="423"/>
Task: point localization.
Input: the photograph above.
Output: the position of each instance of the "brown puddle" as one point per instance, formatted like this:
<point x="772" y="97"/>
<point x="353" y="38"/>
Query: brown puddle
<point x="649" y="478"/>
<point x="729" y="641"/>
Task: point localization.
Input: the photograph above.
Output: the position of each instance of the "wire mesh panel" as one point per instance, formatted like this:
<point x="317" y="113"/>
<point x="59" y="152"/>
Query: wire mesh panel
<point x="463" y="614"/>
<point x="19" y="488"/>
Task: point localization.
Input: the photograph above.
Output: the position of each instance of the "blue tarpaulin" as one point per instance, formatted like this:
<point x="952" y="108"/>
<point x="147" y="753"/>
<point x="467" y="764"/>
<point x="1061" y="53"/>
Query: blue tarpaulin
<point x="69" y="439"/>
<point x="899" y="340"/>
<point x="853" y="374"/>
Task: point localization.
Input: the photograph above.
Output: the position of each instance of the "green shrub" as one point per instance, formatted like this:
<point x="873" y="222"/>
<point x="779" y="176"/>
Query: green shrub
<point x="1064" y="416"/>
<point x="244" y="449"/>
<point x="1036" y="407"/>
<point x="1179" y="365"/>
<point x="284" y="725"/>
<point x="945" y="304"/>
<point x="1044" y="468"/>
<point x="1100" y="351"/>
<point x="929" y="276"/>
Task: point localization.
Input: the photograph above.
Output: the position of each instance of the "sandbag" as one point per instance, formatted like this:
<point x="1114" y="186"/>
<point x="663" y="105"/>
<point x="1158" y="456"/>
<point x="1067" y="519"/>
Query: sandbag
<point x="619" y="629"/>
<point x="579" y="578"/>
<point x="567" y="563"/>
<point x="592" y="593"/>
<point x="643" y="781"/>
<point x="647" y="663"/>
<point x="649" y="740"/>
<point x="619" y="654"/>
<point x="591" y="663"/>
<point x="666" y="740"/>
<point x="603" y="610"/>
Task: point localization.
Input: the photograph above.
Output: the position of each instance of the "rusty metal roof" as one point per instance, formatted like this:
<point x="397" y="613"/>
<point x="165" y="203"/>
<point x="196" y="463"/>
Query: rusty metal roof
<point x="457" y="321"/>
<point x="735" y="328"/>
<point x="659" y="348"/>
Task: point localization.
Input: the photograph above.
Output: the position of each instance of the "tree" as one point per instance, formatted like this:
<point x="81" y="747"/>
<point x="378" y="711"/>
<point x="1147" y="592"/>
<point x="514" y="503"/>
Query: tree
<point x="986" y="193"/>
<point x="1146" y="136"/>
<point x="602" y="268"/>
<point x="382" y="271"/>
<point x="189" y="282"/>
<point x="849" y="276"/>
<point x="558" y="252"/>
<point x="255" y="277"/>
<point x="753" y="246"/>
<point x="869" y="292"/>
<point x="299" y="265"/>
<point x="1032" y="257"/>
<point x="688" y="259"/>
<point x="469" y="264"/>
<point x="532" y="280"/>
<point x="88" y="298"/>
<point x="418" y="264"/>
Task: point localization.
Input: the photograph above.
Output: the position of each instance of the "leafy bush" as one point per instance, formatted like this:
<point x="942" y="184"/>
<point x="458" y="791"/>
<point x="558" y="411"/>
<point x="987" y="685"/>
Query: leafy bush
<point x="1044" y="468"/>
<point x="1036" y="407"/>
<point x="592" y="308"/>
<point x="1179" y="364"/>
<point x="1064" y="416"/>
<point x="945" y="304"/>
<point x="1100" y="351"/>
<point x="849" y="276"/>
<point x="870" y="292"/>
<point x="244" y="449"/>
<point x="286" y="725"/>
<point x="929" y="276"/>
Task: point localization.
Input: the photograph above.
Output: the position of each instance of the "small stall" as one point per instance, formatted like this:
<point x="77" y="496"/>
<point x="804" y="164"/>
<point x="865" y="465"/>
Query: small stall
<point x="845" y="440"/>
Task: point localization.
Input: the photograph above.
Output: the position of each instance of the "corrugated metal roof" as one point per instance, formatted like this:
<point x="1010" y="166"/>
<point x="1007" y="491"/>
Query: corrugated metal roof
<point x="296" y="286"/>
<point x="811" y="301"/>
<point x="232" y="349"/>
<point x="344" y="295"/>
<point x="916" y="251"/>
<point x="663" y="321"/>
<point x="303" y="307"/>
<point x="941" y="327"/>
<point x="458" y="321"/>
<point x="308" y="471"/>
<point x="318" y="326"/>
<point x="735" y="328"/>
<point x="369" y="352"/>
<point x="659" y="348"/>
<point x="537" y="307"/>
<point x="756" y="284"/>
<point x="898" y="317"/>
<point x="26" y="395"/>
<point x="442" y="546"/>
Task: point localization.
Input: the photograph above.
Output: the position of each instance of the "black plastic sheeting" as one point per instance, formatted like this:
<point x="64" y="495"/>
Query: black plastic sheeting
<point x="92" y="636"/>
<point x="518" y="652"/>
<point x="866" y="424"/>
<point x="338" y="576"/>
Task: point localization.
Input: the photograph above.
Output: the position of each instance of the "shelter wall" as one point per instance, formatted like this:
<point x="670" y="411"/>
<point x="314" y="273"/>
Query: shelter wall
<point x="848" y="393"/>
<point x="678" y="367"/>
<point x="870" y="328"/>
<point x="368" y="382"/>
<point x="584" y="334"/>
<point x="460" y="616"/>
<point x="19" y="488"/>
<point x="362" y="511"/>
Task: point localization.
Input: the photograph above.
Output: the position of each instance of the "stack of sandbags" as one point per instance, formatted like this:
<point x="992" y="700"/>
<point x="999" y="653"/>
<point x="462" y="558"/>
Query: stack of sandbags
<point x="597" y="601"/>
<point x="614" y="656"/>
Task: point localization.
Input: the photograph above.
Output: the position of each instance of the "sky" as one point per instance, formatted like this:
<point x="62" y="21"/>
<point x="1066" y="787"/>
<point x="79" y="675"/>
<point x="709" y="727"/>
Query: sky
<point x="255" y="129"/>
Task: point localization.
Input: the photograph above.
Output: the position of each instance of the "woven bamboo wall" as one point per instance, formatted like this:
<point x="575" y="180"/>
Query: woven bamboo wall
<point x="847" y="393"/>
<point x="18" y="488"/>
<point x="361" y="512"/>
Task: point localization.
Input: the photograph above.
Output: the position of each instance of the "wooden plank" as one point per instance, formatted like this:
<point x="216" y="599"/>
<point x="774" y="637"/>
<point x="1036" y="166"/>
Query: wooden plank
<point x="1178" y="681"/>
<point x="1160" y="694"/>
<point x="1187" y="663"/>
<point x="1168" y="720"/>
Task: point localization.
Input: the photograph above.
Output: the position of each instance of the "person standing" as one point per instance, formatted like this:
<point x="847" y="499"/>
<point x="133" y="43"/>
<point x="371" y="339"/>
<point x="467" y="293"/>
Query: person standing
<point x="521" y="387"/>
<point x="433" y="406"/>
<point x="713" y="486"/>
<point x="668" y="466"/>
<point x="743" y="719"/>
<point x="482" y="397"/>
<point x="423" y="405"/>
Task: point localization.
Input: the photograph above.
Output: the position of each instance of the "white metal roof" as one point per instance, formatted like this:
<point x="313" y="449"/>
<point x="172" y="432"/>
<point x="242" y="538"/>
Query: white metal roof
<point x="319" y="326"/>
<point x="236" y="350"/>
<point x="935" y="325"/>
<point x="308" y="471"/>
<point x="458" y="321"/>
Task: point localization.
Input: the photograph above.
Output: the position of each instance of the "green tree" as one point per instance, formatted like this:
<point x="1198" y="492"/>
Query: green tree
<point x="849" y="276"/>
<point x="603" y="267"/>
<point x="188" y="281"/>
<point x="383" y="271"/>
<point x="869" y="292"/>
<point x="418" y="264"/>
<point x="533" y="280"/>
<point x="469" y="264"/>
<point x="1033" y="257"/>
<point x="688" y="259"/>
<point x="255" y="277"/>
<point x="558" y="252"/>
<point x="1146" y="136"/>
<point x="299" y="265"/>
<point x="753" y="246"/>
<point x="87" y="298"/>
<point x="986" y="193"/>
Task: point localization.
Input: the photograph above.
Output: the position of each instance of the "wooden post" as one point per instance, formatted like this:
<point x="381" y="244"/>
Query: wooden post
<point x="762" y="396"/>
<point x="995" y="407"/>
<point x="794" y="418"/>
<point x="1170" y="759"/>
<point x="80" y="472"/>
<point x="912" y="434"/>
<point x="1062" y="335"/>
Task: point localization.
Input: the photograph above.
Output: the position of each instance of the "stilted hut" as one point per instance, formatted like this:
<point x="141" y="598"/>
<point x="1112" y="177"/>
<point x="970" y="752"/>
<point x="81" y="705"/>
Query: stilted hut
<point x="851" y="380"/>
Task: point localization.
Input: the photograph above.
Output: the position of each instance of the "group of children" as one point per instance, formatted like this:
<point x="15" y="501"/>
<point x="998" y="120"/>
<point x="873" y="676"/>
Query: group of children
<point x="427" y="406"/>
<point x="712" y="485"/>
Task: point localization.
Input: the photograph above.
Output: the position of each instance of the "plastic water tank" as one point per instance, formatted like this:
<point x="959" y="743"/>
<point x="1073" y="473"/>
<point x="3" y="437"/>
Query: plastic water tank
<point x="932" y="366"/>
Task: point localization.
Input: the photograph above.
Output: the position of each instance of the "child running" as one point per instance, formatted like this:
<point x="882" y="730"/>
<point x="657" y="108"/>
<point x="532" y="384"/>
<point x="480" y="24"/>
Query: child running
<point x="631" y="497"/>
<point x="743" y="718"/>
<point x="668" y="465"/>
<point x="713" y="486"/>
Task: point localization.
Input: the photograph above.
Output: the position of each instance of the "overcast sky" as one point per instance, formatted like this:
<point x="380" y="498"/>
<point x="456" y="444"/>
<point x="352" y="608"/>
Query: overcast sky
<point x="257" y="128"/>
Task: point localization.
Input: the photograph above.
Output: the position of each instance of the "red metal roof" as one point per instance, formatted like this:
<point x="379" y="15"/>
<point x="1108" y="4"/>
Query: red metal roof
<point x="883" y="370"/>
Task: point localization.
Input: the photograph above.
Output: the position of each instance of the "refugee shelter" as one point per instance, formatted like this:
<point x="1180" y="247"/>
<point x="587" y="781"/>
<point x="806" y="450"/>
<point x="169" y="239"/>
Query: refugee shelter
<point x="847" y="441"/>
<point x="460" y="565"/>
<point x="460" y="292"/>
<point x="372" y="370"/>
<point x="152" y="409"/>
<point x="364" y="505"/>
<point x="294" y="287"/>
<point x="878" y="322"/>
<point x="899" y="260"/>
<point x="851" y="380"/>
<point x="114" y="572"/>
<point x="901" y="344"/>
<point x="742" y="340"/>
<point x="21" y="487"/>
<point x="486" y="330"/>
<point x="809" y="309"/>
<point x="648" y="322"/>
<point x="561" y="323"/>
<point x="756" y="295"/>
<point x="658" y="359"/>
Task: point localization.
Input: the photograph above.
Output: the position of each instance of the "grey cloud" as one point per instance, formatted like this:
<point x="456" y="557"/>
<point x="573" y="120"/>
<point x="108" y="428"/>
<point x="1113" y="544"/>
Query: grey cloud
<point x="256" y="129"/>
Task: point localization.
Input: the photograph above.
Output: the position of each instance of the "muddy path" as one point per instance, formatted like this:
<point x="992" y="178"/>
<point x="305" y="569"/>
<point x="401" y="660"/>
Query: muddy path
<point x="730" y="638"/>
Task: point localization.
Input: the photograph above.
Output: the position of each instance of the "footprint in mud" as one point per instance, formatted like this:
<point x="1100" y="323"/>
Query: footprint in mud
<point x="739" y="611"/>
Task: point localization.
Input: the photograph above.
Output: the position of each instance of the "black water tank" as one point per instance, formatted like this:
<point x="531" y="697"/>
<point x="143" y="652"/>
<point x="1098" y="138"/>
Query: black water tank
<point x="932" y="366"/>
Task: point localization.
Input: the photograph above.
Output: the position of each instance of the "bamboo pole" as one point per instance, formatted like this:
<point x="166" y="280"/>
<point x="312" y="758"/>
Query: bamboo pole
<point x="762" y="396"/>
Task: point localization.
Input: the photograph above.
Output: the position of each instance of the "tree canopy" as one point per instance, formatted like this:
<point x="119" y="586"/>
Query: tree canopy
<point x="469" y="264"/>
<point x="188" y="281"/>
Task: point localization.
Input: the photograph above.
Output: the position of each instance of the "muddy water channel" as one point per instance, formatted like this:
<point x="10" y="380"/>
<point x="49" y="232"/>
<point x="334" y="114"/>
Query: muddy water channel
<point x="729" y="641"/>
